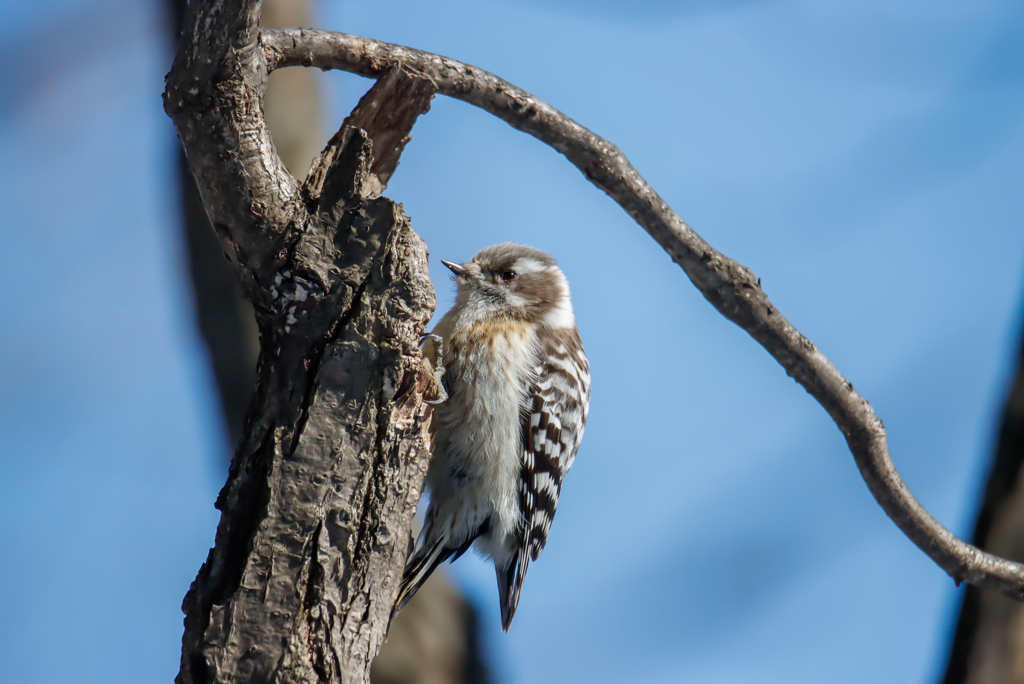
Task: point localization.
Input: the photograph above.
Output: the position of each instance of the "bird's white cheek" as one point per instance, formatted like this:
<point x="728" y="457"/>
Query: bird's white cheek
<point x="561" y="316"/>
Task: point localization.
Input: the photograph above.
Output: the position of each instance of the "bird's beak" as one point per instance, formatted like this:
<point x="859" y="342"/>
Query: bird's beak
<point x="456" y="269"/>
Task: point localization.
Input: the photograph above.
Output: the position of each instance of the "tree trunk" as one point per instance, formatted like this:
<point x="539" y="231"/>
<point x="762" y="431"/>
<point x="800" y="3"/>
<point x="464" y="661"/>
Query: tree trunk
<point x="324" y="484"/>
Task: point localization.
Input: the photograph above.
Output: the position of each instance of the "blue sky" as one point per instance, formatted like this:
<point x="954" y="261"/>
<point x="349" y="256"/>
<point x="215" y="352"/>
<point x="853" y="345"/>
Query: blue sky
<point x="863" y="158"/>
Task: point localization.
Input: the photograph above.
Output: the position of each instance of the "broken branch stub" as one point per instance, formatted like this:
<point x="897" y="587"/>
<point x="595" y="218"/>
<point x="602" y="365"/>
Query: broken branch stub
<point x="387" y="112"/>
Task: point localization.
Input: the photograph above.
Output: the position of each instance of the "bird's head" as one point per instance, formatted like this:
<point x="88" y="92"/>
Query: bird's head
<point x="516" y="282"/>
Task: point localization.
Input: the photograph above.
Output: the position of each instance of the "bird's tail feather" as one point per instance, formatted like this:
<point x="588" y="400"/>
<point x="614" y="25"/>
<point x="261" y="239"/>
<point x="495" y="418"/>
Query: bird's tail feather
<point x="510" y="586"/>
<point x="419" y="568"/>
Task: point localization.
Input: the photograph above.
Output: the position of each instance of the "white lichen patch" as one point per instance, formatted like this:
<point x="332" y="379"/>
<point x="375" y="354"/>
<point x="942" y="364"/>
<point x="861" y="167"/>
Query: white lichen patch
<point x="288" y="289"/>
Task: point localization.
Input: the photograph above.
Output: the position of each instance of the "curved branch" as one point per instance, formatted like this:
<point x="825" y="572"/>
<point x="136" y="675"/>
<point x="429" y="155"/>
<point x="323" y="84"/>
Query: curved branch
<point x="728" y="285"/>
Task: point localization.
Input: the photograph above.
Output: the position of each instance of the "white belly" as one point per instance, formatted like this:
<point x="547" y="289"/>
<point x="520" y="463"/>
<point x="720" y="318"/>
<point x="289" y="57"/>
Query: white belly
<point x="475" y="470"/>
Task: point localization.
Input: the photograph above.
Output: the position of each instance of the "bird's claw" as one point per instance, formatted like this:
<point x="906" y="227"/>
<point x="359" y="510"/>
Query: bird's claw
<point x="442" y="395"/>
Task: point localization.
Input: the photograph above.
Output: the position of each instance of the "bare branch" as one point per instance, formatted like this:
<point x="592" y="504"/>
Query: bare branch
<point x="728" y="285"/>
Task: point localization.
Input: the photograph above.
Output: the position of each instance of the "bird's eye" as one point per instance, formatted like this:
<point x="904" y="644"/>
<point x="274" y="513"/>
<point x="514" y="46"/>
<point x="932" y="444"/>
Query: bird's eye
<point x="509" y="275"/>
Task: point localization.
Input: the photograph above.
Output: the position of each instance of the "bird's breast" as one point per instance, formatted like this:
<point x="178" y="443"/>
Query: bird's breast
<point x="489" y="369"/>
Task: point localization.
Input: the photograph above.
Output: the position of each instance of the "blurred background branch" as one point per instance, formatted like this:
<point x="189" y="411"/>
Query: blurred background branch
<point x="988" y="644"/>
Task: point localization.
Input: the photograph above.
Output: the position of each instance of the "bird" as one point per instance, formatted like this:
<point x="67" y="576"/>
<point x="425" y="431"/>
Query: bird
<point x="515" y="397"/>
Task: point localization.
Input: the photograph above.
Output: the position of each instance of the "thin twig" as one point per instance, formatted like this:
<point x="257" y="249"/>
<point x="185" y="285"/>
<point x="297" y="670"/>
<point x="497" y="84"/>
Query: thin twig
<point x="728" y="285"/>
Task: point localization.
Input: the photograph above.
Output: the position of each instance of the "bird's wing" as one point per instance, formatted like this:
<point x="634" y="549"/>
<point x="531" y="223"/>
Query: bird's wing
<point x="553" y="422"/>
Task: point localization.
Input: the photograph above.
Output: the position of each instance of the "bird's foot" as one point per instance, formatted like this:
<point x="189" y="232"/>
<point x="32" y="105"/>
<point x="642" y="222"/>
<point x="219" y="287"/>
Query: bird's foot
<point x="442" y="395"/>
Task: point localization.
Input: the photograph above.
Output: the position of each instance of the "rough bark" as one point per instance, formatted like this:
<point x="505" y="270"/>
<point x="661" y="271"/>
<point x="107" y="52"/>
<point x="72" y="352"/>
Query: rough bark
<point x="324" y="484"/>
<point x="728" y="285"/>
<point x="323" y="488"/>
<point x="988" y="645"/>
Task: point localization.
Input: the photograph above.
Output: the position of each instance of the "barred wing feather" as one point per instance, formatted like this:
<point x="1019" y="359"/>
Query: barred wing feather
<point x="556" y="413"/>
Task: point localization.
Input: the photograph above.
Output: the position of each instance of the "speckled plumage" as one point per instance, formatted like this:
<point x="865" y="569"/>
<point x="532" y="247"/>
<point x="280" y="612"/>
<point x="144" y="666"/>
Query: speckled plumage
<point x="518" y="387"/>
